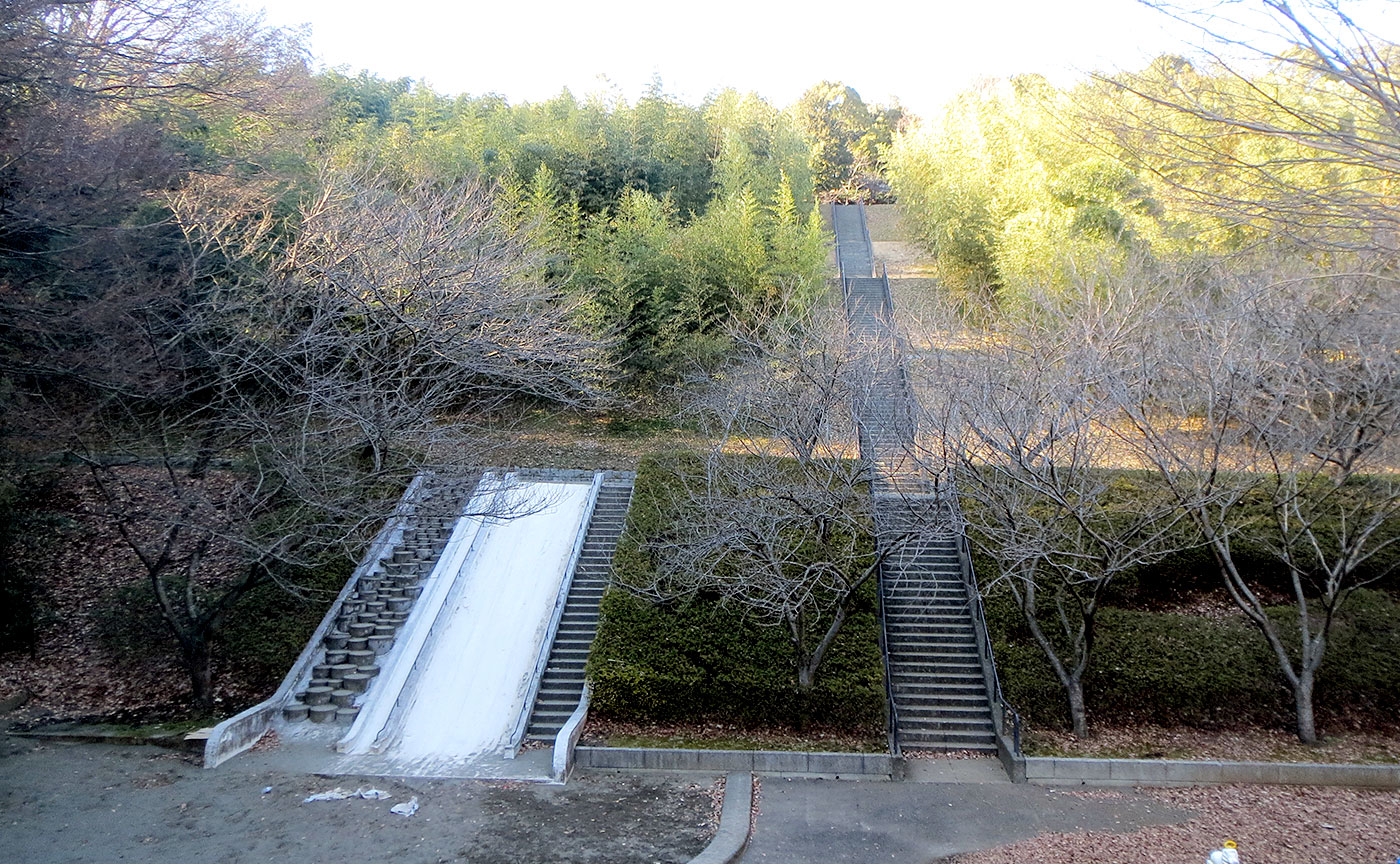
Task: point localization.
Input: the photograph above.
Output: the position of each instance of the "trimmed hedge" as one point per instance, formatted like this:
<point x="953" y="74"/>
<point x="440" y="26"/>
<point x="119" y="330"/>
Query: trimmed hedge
<point x="706" y="661"/>
<point x="259" y="639"/>
<point x="1193" y="671"/>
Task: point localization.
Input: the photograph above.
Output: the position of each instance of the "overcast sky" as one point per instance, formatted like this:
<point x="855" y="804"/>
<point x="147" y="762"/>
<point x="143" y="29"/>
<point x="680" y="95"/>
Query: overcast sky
<point x="921" y="52"/>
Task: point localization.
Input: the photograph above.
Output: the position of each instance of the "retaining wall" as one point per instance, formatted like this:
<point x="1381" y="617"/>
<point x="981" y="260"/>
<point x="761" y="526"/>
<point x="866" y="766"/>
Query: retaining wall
<point x="853" y="765"/>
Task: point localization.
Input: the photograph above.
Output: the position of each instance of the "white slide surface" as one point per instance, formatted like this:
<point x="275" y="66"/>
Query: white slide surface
<point x="476" y="671"/>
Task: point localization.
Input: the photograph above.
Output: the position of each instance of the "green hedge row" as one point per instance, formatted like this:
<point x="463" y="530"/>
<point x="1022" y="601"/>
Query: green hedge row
<point x="261" y="635"/>
<point x="266" y="630"/>
<point x="702" y="661"/>
<point x="1194" y="671"/>
<point x="705" y="661"/>
<point x="1193" y="569"/>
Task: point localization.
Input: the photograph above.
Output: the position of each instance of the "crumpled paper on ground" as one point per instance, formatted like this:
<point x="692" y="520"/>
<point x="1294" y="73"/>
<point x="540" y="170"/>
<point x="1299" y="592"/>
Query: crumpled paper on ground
<point x="339" y="794"/>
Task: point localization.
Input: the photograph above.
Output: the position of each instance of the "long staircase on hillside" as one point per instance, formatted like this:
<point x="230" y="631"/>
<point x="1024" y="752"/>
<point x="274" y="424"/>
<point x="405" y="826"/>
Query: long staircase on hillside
<point x="936" y="681"/>
<point x="562" y="683"/>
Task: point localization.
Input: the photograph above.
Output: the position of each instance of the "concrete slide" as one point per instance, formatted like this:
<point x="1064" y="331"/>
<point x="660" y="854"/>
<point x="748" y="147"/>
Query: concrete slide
<point x="459" y="688"/>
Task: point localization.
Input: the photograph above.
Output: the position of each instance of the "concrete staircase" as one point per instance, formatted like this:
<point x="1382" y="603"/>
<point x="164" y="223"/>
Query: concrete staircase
<point x="936" y="681"/>
<point x="885" y="411"/>
<point x="936" y="674"/>
<point x="370" y="618"/>
<point x="852" y="241"/>
<point x="561" y="686"/>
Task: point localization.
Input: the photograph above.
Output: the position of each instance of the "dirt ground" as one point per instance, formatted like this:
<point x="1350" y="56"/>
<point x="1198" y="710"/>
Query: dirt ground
<point x="1357" y="746"/>
<point x="64" y="804"/>
<point x="1270" y="824"/>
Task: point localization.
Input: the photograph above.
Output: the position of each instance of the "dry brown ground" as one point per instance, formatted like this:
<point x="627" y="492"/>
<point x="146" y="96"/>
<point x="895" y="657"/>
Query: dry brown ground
<point x="720" y="736"/>
<point x="1271" y="825"/>
<point x="1245" y="745"/>
<point x="102" y="804"/>
<point x="81" y="564"/>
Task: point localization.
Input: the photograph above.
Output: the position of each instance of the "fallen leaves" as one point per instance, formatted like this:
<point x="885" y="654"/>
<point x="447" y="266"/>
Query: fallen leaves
<point x="1271" y="825"/>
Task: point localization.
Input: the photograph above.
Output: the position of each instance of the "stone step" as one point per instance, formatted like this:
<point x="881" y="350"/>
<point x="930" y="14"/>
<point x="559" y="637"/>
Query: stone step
<point x="947" y="653"/>
<point x="933" y="615"/>
<point x="949" y="741"/>
<point x="924" y="711"/>
<point x="977" y="701"/>
<point x="969" y="665"/>
<point x="570" y="676"/>
<point x="911" y="643"/>
<point x="969" y="687"/>
<point x="912" y="634"/>
<point x="917" y="665"/>
<point x="954" y="725"/>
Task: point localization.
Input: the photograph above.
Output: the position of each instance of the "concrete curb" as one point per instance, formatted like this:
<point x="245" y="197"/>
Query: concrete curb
<point x="1173" y="772"/>
<point x="733" y="834"/>
<point x="867" y="766"/>
<point x="169" y="740"/>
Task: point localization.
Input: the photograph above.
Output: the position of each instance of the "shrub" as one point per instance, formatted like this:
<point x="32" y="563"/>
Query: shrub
<point x="267" y="628"/>
<point x="1202" y="672"/>
<point x="20" y="599"/>
<point x="701" y="661"/>
<point x="704" y="660"/>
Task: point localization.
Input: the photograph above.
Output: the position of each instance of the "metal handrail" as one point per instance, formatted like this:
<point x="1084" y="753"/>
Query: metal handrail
<point x="974" y="599"/>
<point x="892" y="713"/>
<point x="865" y="233"/>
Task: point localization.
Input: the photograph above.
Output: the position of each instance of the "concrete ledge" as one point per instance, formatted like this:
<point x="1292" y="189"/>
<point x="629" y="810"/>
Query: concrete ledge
<point x="567" y="738"/>
<point x="80" y="734"/>
<point x="1164" y="772"/>
<point x="733" y="834"/>
<point x="851" y="765"/>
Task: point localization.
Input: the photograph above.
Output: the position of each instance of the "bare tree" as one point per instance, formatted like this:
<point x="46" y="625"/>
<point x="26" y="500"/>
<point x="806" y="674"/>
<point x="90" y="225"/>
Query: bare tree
<point x="313" y="370"/>
<point x="1280" y="395"/>
<point x="105" y="107"/>
<point x="1021" y="429"/>
<point x="775" y="517"/>
<point x="1289" y="127"/>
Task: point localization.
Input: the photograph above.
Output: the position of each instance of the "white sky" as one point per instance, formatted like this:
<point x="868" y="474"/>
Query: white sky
<point x="922" y="52"/>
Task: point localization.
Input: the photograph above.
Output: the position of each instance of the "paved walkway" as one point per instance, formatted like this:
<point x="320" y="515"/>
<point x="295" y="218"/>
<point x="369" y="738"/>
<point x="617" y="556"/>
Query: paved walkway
<point x="843" y="822"/>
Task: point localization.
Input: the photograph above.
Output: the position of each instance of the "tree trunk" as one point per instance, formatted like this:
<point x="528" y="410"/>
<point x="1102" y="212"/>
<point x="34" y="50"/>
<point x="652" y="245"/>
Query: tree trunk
<point x="1303" y="705"/>
<point x="1078" y="717"/>
<point x="199" y="665"/>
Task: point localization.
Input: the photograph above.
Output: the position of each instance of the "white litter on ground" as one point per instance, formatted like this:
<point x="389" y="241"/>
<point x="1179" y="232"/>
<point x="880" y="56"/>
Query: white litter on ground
<point x="407" y="808"/>
<point x="338" y="794"/>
